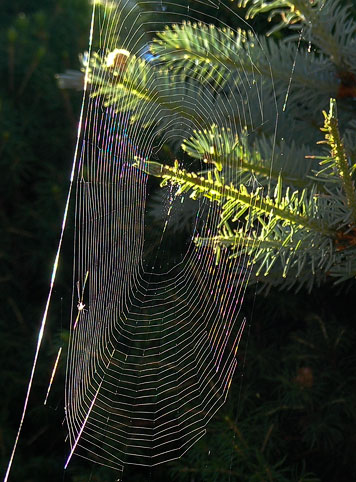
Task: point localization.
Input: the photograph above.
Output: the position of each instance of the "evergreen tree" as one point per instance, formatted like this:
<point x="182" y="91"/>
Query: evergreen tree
<point x="303" y="214"/>
<point x="299" y="211"/>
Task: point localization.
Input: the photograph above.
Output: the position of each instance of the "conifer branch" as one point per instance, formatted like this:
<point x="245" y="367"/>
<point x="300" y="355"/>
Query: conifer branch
<point x="289" y="208"/>
<point x="302" y="232"/>
<point x="134" y="84"/>
<point x="211" y="55"/>
<point x="224" y="149"/>
<point x="327" y="22"/>
<point x="304" y="229"/>
<point x="339" y="158"/>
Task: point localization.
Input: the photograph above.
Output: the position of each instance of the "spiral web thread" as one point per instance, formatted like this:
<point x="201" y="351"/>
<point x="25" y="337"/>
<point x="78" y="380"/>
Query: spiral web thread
<point x="152" y="352"/>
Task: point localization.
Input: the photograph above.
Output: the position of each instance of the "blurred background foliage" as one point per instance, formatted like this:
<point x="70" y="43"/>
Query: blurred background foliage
<point x="291" y="412"/>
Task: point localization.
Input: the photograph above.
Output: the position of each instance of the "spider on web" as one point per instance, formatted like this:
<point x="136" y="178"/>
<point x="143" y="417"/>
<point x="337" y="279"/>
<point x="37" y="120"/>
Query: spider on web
<point x="81" y="306"/>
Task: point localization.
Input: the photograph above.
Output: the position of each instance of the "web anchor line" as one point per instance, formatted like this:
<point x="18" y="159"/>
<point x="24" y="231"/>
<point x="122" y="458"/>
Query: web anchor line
<point x="55" y="264"/>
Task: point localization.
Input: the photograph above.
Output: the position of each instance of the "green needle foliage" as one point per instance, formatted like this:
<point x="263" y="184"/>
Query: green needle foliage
<point x="298" y="236"/>
<point x="298" y="226"/>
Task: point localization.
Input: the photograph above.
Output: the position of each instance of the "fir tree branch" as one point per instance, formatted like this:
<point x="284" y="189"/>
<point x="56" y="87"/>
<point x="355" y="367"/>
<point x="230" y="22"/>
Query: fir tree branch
<point x="339" y="157"/>
<point x="327" y="21"/>
<point x="211" y="55"/>
<point x="135" y="84"/>
<point x="288" y="208"/>
<point x="224" y="149"/>
<point x="290" y="232"/>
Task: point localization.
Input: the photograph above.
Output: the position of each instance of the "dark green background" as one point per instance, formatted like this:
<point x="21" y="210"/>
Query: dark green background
<point x="292" y="406"/>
